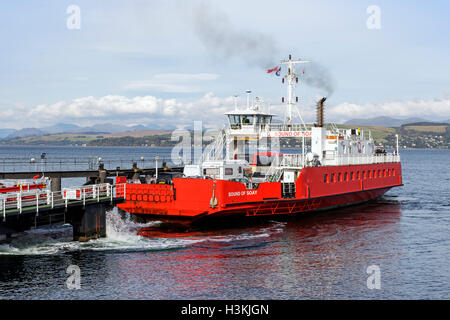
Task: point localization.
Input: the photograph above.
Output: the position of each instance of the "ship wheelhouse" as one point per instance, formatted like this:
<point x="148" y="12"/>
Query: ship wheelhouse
<point x="254" y="119"/>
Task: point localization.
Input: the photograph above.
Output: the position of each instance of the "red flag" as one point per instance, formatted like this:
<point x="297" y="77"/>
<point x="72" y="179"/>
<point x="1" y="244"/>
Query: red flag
<point x="272" y="70"/>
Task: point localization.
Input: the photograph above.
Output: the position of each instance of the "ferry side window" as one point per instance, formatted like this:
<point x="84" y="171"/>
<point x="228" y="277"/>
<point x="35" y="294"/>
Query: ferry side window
<point x="339" y="177"/>
<point x="345" y="176"/>
<point x="332" y="177"/>
<point x="229" y="171"/>
<point x="325" y="178"/>
<point x="240" y="170"/>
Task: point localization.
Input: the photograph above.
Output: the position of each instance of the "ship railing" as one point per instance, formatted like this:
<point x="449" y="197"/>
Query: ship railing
<point x="292" y="160"/>
<point x="279" y="163"/>
<point x="373" y="159"/>
<point x="286" y="127"/>
<point x="298" y="161"/>
<point x="214" y="151"/>
<point x="274" y="172"/>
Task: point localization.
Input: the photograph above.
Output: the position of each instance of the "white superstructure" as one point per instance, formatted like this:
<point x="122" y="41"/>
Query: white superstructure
<point x="251" y="133"/>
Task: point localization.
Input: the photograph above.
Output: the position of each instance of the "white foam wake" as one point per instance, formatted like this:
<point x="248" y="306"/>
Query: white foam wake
<point x="122" y="236"/>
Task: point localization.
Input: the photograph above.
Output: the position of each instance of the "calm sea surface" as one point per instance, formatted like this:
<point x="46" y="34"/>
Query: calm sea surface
<point x="322" y="256"/>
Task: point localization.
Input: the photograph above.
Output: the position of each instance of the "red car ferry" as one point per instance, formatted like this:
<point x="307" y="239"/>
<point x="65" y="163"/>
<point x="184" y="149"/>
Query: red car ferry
<point x="334" y="168"/>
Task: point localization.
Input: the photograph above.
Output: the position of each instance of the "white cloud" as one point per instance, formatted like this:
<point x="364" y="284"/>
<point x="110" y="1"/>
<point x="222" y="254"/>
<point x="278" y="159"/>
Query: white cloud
<point x="172" y="82"/>
<point x="447" y="93"/>
<point x="209" y="108"/>
<point x="428" y="109"/>
<point x="160" y="87"/>
<point x="186" y="76"/>
<point x="144" y="109"/>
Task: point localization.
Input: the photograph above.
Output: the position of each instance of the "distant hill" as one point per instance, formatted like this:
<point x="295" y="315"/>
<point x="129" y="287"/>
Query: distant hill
<point x="425" y="124"/>
<point x="26" y="132"/>
<point x="6" y="132"/>
<point x="383" y="121"/>
<point x="60" y="128"/>
<point x="67" y="128"/>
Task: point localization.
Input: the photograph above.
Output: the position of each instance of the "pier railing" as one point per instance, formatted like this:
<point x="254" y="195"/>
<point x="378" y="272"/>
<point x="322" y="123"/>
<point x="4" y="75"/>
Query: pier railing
<point x="18" y="202"/>
<point x="57" y="163"/>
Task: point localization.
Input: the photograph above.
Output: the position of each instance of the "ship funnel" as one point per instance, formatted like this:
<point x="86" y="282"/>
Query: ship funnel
<point x="320" y="112"/>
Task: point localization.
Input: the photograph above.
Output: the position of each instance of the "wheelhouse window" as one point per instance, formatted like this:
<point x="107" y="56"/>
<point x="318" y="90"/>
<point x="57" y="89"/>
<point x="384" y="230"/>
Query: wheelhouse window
<point x="247" y="120"/>
<point x="234" y="121"/>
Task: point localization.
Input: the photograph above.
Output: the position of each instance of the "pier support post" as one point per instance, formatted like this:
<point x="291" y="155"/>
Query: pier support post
<point x="89" y="223"/>
<point x="137" y="171"/>
<point x="55" y="185"/>
<point x="102" y="174"/>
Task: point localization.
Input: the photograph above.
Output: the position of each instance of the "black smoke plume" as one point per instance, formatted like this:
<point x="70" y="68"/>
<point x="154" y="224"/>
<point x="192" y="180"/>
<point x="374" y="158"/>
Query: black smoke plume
<point x="223" y="41"/>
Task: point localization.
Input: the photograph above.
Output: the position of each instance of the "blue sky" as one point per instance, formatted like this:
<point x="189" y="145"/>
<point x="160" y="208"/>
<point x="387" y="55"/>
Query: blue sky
<point x="147" y="62"/>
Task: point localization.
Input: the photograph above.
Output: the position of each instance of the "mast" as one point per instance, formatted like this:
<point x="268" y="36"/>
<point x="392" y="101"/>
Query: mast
<point x="291" y="79"/>
<point x="248" y="98"/>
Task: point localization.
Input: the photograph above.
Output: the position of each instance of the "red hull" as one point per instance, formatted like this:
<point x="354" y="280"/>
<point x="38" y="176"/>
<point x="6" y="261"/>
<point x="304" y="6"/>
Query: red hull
<point x="314" y="190"/>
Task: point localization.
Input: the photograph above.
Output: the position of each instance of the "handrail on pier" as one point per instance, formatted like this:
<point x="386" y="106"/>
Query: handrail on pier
<point x="17" y="202"/>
